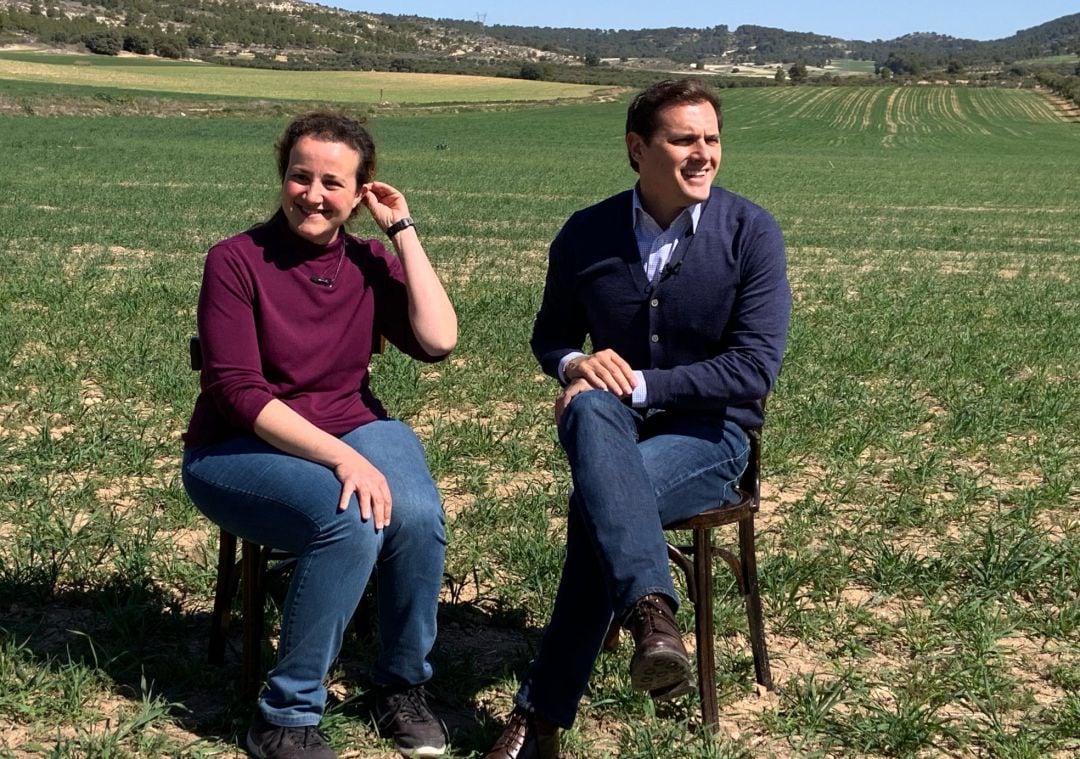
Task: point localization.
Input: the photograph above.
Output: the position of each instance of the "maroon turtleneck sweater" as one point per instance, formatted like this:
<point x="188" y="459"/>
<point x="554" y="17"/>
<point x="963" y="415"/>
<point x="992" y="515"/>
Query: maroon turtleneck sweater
<point x="267" y="331"/>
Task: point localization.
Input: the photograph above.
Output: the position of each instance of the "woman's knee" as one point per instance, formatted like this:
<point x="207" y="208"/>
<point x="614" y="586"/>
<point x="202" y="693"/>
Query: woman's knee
<point x="395" y="450"/>
<point x="419" y="511"/>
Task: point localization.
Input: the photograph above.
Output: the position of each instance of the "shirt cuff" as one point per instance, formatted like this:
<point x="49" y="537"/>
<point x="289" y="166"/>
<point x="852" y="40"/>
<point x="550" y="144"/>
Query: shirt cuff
<point x="640" y="394"/>
<point x="566" y="360"/>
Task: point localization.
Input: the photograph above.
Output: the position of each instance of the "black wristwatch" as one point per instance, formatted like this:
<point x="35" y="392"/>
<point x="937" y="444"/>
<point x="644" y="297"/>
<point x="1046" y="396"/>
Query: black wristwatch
<point x="399" y="225"/>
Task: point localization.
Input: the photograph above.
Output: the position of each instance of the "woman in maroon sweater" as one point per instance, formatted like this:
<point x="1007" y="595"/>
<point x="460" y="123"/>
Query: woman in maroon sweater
<point x="288" y="447"/>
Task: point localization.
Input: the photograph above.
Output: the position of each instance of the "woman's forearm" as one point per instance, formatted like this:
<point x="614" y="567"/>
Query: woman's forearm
<point x="286" y="430"/>
<point x="431" y="314"/>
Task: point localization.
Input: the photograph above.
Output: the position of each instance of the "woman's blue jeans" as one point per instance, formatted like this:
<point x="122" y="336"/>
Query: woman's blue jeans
<point x="259" y="493"/>
<point x="633" y="473"/>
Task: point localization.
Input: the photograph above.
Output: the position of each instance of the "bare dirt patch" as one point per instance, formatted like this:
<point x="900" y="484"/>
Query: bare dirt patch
<point x="455" y="495"/>
<point x="1058" y="524"/>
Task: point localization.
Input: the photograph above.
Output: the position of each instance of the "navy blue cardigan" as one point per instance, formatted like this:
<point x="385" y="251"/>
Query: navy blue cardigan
<point x="708" y="336"/>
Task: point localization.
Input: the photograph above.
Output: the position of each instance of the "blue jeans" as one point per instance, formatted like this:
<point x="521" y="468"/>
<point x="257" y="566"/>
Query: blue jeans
<point x="633" y="474"/>
<point x="259" y="493"/>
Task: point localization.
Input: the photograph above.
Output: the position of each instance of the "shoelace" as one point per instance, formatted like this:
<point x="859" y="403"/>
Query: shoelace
<point x="641" y="615"/>
<point x="641" y="610"/>
<point x="411" y="705"/>
<point x="301" y="737"/>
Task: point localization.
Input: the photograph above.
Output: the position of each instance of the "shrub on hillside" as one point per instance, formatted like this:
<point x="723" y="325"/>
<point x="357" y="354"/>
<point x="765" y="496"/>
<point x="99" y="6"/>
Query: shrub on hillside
<point x="137" y="42"/>
<point x="168" y="49"/>
<point x="533" y="72"/>
<point x="105" y="42"/>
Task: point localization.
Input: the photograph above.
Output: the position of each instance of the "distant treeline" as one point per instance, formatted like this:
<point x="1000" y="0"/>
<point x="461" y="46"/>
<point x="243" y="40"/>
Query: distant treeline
<point x="761" y="44"/>
<point x="1058" y="37"/>
<point x="746" y="44"/>
<point x="552" y="72"/>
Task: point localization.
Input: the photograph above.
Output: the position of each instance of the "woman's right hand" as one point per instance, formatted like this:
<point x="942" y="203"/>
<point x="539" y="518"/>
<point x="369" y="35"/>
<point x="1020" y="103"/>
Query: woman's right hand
<point x="360" y="477"/>
<point x="286" y="430"/>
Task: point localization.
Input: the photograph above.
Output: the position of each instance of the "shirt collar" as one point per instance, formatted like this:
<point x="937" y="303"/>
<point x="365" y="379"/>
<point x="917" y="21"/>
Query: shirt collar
<point x="639" y="213"/>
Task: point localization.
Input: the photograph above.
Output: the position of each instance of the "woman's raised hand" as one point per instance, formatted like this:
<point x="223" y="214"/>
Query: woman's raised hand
<point x="385" y="203"/>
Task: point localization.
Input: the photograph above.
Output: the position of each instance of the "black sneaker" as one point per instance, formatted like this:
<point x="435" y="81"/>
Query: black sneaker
<point x="267" y="741"/>
<point x="404" y="715"/>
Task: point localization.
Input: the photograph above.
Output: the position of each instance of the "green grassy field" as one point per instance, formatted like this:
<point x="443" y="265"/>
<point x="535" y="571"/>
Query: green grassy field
<point x="851" y="66"/>
<point x="1049" y="60"/>
<point x="919" y="544"/>
<point x="339" y="86"/>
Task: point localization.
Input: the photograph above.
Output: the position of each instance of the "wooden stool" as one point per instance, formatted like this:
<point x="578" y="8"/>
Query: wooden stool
<point x="249" y="576"/>
<point x="696" y="562"/>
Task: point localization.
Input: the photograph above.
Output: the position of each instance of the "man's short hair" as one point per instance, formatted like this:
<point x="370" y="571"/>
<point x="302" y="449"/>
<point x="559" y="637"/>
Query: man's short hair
<point x="641" y="117"/>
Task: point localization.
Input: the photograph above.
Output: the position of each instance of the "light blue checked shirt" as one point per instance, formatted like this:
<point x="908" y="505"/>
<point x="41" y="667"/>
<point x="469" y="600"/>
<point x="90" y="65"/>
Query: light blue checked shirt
<point x="656" y="247"/>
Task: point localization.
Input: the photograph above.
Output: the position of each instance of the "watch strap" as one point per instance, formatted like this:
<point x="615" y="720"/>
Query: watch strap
<point x="399" y="225"/>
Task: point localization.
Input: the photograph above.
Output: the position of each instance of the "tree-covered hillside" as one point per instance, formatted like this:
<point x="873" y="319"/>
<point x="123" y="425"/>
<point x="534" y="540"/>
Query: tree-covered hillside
<point x="1058" y="37"/>
<point x="679" y="44"/>
<point x="291" y="34"/>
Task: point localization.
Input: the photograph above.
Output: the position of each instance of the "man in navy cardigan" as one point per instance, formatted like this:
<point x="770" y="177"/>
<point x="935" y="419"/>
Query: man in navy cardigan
<point x="681" y="288"/>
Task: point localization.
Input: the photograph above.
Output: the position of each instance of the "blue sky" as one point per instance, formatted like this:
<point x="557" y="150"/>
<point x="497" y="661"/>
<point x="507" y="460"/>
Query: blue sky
<point x="848" y="19"/>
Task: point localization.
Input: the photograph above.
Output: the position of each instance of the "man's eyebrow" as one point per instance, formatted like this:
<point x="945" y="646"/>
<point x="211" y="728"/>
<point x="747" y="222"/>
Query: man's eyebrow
<point x="690" y="135"/>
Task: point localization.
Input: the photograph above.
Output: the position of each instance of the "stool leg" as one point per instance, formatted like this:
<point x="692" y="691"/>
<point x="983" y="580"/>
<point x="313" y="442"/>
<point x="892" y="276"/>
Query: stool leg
<point x="752" y="594"/>
<point x="224" y="590"/>
<point x="253" y="562"/>
<point x="611" y="638"/>
<point x="703" y="625"/>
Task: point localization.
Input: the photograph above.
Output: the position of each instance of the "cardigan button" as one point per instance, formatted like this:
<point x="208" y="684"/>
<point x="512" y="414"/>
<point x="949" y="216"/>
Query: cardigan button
<point x="656" y="338"/>
<point x="654" y="302"/>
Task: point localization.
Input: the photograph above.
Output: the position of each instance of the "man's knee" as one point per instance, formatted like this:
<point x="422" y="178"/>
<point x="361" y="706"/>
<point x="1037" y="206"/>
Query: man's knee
<point x="594" y="405"/>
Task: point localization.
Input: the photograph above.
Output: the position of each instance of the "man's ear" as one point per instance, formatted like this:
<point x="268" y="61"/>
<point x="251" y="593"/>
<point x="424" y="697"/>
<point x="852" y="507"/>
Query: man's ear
<point x="635" y="144"/>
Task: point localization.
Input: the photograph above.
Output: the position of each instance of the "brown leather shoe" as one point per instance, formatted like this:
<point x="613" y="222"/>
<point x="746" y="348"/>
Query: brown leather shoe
<point x="526" y="736"/>
<point x="660" y="659"/>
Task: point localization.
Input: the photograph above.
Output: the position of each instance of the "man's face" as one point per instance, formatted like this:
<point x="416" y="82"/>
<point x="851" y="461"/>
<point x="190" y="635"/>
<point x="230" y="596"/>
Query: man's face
<point x="678" y="164"/>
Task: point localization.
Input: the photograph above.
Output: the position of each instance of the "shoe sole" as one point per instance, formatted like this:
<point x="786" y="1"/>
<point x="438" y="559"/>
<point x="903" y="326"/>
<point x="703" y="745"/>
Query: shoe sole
<point x="422" y="751"/>
<point x="672" y="692"/>
<point x="660" y="670"/>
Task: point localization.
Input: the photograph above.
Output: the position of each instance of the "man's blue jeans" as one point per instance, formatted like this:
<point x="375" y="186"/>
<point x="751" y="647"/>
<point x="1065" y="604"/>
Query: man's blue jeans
<point x="632" y="475"/>
<point x="259" y="493"/>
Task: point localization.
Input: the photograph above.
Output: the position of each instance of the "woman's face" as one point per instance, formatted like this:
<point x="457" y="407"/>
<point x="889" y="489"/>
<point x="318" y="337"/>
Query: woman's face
<point x="319" y="191"/>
